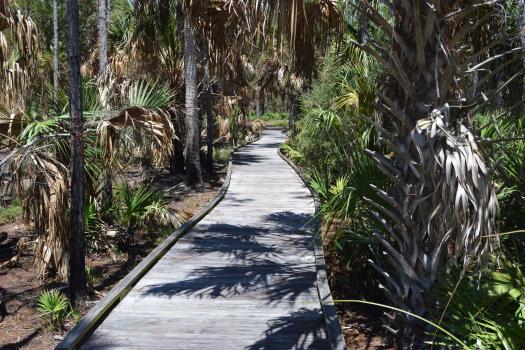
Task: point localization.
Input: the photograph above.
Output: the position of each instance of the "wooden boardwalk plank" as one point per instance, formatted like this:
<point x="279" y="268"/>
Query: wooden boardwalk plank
<point x="243" y="278"/>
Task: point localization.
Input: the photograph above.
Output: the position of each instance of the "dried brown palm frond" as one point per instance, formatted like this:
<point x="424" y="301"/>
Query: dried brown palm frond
<point x="42" y="183"/>
<point x="152" y="129"/>
<point x="5" y="14"/>
<point x="19" y="47"/>
<point x="304" y="24"/>
<point x="11" y="125"/>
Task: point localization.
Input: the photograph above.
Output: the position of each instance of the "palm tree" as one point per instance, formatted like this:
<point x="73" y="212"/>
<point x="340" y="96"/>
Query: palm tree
<point x="77" y="278"/>
<point x="442" y="206"/>
<point x="210" y="124"/>
<point x="141" y="206"/>
<point x="192" y="147"/>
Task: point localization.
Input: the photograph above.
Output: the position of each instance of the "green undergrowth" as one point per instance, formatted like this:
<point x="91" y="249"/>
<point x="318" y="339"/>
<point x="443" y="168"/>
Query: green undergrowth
<point x="222" y="154"/>
<point x="11" y="212"/>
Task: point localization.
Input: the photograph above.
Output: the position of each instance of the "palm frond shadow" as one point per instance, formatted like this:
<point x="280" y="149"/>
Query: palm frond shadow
<point x="288" y="332"/>
<point x="247" y="159"/>
<point x="267" y="259"/>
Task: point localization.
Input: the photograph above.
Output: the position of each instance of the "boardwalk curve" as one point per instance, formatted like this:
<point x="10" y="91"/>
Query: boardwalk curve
<point x="243" y="278"/>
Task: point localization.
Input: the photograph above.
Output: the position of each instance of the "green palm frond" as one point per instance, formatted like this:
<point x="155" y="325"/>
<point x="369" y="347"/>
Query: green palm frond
<point x="150" y="95"/>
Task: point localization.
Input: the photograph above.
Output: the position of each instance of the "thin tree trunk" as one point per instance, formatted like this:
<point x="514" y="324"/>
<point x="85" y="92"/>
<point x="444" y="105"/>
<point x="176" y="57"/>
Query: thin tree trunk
<point x="103" y="13"/>
<point x="209" y="117"/>
<point x="518" y="110"/>
<point x="55" y="46"/>
<point x="77" y="280"/>
<point x="294" y="109"/>
<point x="259" y="102"/>
<point x="177" y="160"/>
<point x="193" y="167"/>
<point x="263" y="103"/>
<point x="103" y="36"/>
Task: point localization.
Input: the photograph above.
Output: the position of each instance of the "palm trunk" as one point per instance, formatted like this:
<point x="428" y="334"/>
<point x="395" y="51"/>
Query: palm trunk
<point x="209" y="117"/>
<point x="107" y="181"/>
<point x="192" y="147"/>
<point x="177" y="159"/>
<point x="77" y="280"/>
<point x="431" y="205"/>
<point x="56" y="74"/>
<point x="103" y="36"/>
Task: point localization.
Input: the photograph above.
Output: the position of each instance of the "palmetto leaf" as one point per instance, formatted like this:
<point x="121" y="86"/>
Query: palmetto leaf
<point x="148" y="118"/>
<point x="149" y="95"/>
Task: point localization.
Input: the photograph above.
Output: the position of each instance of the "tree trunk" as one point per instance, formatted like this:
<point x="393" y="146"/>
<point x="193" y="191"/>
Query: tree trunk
<point x="177" y="160"/>
<point x="259" y="102"/>
<point x="426" y="209"/>
<point x="56" y="74"/>
<point x="103" y="12"/>
<point x="192" y="147"/>
<point x="103" y="36"/>
<point x="209" y="117"/>
<point x="294" y="110"/>
<point x="130" y="235"/>
<point x="263" y="103"/>
<point x="77" y="280"/>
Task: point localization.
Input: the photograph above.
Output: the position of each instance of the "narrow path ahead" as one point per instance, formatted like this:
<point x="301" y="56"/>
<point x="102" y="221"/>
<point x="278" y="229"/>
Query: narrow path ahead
<point x="243" y="278"/>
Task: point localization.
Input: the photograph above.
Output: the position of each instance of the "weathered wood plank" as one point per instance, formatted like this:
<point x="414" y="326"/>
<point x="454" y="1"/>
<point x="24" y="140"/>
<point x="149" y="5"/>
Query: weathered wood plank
<point x="245" y="277"/>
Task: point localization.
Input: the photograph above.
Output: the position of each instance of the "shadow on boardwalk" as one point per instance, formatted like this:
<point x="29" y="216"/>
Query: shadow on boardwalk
<point x="258" y="269"/>
<point x="243" y="278"/>
<point x="257" y="262"/>
<point x="291" y="332"/>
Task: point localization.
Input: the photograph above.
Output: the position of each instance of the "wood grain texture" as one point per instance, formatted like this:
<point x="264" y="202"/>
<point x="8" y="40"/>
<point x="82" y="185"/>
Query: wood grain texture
<point x="331" y="319"/>
<point x="243" y="278"/>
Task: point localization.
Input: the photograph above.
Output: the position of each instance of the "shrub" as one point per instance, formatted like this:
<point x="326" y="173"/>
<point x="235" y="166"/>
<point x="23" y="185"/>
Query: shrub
<point x="53" y="306"/>
<point x="10" y="213"/>
<point x="222" y="154"/>
<point x="486" y="311"/>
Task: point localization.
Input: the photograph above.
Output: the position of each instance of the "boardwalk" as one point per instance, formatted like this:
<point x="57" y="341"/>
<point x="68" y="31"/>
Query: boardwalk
<point x="243" y="278"/>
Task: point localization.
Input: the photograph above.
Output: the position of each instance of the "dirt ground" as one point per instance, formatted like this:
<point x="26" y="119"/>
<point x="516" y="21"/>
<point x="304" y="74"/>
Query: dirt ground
<point x="21" y="327"/>
<point x="363" y="325"/>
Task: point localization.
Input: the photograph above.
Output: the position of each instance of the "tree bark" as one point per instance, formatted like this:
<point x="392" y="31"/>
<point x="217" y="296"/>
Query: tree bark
<point x="259" y="102"/>
<point x="192" y="147"/>
<point x="55" y="46"/>
<point x="77" y="280"/>
<point x="294" y="110"/>
<point x="177" y="160"/>
<point x="103" y="36"/>
<point x="103" y="13"/>
<point x="209" y="116"/>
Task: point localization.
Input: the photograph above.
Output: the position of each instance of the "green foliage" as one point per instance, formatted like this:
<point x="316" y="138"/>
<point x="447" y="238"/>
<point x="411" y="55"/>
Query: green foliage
<point x="271" y="116"/>
<point x="142" y="206"/>
<point x="90" y="276"/>
<point x="222" y="154"/>
<point x="486" y="311"/>
<point x="93" y="226"/>
<point x="53" y="306"/>
<point x="40" y="128"/>
<point x="294" y="155"/>
<point x="330" y="144"/>
<point x="149" y="95"/>
<point x="10" y="213"/>
<point x="504" y="139"/>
